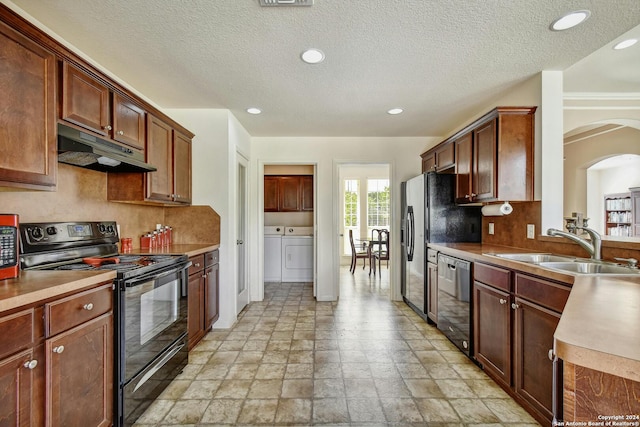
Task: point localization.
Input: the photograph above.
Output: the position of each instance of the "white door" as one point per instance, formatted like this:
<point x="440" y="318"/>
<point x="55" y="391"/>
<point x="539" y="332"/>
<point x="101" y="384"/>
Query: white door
<point x="241" y="232"/>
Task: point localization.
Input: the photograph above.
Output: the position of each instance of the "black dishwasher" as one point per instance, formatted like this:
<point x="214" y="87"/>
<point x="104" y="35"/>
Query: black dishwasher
<point x="454" y="301"/>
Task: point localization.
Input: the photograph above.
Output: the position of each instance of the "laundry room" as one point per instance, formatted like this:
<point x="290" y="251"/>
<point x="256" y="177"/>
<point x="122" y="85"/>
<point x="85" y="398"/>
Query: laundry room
<point x="288" y="223"/>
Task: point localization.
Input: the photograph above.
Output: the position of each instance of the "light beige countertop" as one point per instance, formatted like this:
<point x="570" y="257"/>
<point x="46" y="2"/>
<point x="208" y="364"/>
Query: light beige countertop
<point x="600" y="324"/>
<point x="37" y="285"/>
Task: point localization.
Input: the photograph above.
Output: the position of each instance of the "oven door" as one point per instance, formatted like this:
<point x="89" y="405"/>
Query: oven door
<point x="152" y="316"/>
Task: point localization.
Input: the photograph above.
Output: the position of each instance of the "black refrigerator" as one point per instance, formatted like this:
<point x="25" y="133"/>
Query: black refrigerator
<point x="430" y="215"/>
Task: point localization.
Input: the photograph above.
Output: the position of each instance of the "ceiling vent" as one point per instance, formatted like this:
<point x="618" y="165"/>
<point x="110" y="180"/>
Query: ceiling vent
<point x="286" y="2"/>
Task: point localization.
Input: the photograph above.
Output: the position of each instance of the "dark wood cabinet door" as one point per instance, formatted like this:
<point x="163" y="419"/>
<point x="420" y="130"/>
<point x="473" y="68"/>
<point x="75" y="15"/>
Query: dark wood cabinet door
<point x="271" y="193"/>
<point x="533" y="368"/>
<point x="159" y="153"/>
<point x="492" y="331"/>
<point x="306" y="191"/>
<point x="181" y="167"/>
<point x="212" y="291"/>
<point x="464" y="165"/>
<point x="80" y="375"/>
<point x="128" y="122"/>
<point x="195" y="302"/>
<point x="429" y="161"/>
<point x="18" y="392"/>
<point x="27" y="113"/>
<point x="445" y="156"/>
<point x="85" y="102"/>
<point x="289" y="194"/>
<point x="484" y="179"/>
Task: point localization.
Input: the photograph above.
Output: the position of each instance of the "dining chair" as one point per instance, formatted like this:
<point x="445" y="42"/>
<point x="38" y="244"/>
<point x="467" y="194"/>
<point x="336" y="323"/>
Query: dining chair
<point x="381" y="239"/>
<point x="355" y="255"/>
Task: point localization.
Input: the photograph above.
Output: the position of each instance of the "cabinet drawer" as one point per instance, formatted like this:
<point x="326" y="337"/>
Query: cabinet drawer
<point x="548" y="294"/>
<point x="76" y="309"/>
<point x="494" y="276"/>
<point x="197" y="264"/>
<point x="17" y="331"/>
<point x="211" y="258"/>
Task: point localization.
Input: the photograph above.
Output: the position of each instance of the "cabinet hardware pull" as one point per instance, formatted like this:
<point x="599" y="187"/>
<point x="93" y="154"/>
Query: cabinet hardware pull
<point x="503" y="301"/>
<point x="88" y="307"/>
<point x="58" y="349"/>
<point x="197" y="264"/>
<point x="515" y="306"/>
<point x="120" y="132"/>
<point x="30" y="364"/>
<point x="550" y="354"/>
<point x="108" y="127"/>
<point x="466" y="196"/>
<point x="473" y="194"/>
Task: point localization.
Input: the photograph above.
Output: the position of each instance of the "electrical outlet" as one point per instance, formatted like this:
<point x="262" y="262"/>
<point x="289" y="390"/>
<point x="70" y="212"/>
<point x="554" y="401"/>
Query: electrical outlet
<point x="492" y="229"/>
<point x="531" y="231"/>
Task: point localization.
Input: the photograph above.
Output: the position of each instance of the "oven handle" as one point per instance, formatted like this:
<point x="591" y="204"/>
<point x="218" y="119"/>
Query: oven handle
<point x="157" y="366"/>
<point x="155" y="276"/>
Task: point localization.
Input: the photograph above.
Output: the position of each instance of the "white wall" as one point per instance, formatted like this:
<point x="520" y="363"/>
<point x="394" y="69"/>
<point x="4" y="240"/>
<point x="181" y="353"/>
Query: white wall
<point x="218" y="137"/>
<point x="327" y="153"/>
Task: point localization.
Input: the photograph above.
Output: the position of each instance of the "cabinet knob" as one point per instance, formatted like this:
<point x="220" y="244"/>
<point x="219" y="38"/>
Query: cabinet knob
<point x="515" y="306"/>
<point x="30" y="364"/>
<point x="59" y="349"/>
<point x="503" y="301"/>
<point x="120" y="132"/>
<point x="88" y="306"/>
<point x="550" y="354"/>
<point x="466" y="196"/>
<point x="197" y="264"/>
<point x="108" y="127"/>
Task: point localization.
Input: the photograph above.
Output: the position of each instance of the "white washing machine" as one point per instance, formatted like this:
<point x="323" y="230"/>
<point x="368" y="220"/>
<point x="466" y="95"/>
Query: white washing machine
<point x="297" y="254"/>
<point x="273" y="253"/>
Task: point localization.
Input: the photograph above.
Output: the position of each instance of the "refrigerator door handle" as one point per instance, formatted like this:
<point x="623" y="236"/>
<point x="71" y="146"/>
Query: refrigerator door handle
<point x="411" y="233"/>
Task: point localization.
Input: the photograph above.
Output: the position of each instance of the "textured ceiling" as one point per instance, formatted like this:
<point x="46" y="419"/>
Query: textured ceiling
<point x="439" y="60"/>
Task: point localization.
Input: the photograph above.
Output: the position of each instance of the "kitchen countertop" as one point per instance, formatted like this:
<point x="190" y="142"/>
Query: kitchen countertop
<point x="600" y="324"/>
<point x="37" y="285"/>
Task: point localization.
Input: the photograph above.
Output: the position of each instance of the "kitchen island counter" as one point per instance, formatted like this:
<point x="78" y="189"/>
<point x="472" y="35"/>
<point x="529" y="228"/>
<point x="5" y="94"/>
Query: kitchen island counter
<point x="599" y="328"/>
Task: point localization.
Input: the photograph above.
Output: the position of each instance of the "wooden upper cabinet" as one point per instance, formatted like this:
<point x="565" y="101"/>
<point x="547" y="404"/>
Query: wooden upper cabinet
<point x="128" y="122"/>
<point x="85" y="101"/>
<point x="289" y="193"/>
<point x="181" y="167"/>
<point x="500" y="162"/>
<point x="271" y="191"/>
<point x="306" y="192"/>
<point x="160" y="154"/>
<point x="464" y="166"/>
<point x="439" y="158"/>
<point x="484" y="165"/>
<point x="428" y="161"/>
<point x="27" y="113"/>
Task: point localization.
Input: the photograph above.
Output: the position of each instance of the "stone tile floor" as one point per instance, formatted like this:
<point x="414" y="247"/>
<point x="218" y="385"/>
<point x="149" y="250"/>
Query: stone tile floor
<point x="362" y="360"/>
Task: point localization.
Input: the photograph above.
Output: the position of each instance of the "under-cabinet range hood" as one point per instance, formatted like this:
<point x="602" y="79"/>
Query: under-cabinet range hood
<point x="88" y="151"/>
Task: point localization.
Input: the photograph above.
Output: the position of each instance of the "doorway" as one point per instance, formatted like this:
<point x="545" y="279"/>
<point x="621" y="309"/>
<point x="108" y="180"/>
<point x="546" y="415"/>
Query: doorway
<point x="364" y="204"/>
<point x="242" y="297"/>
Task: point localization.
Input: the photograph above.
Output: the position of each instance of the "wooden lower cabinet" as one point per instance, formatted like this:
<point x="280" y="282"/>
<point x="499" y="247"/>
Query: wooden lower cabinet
<point x="515" y="317"/>
<point x="534" y="327"/>
<point x="492" y="331"/>
<point x="203" y="295"/>
<point x="21" y="388"/>
<point x="80" y="375"/>
<point x="59" y="379"/>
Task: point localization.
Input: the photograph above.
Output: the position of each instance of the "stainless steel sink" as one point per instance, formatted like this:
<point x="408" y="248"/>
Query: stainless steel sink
<point x="535" y="258"/>
<point x="590" y="267"/>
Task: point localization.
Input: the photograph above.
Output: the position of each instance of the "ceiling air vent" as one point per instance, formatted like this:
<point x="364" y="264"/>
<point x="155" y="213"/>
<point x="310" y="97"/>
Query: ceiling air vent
<point x="286" y="2"/>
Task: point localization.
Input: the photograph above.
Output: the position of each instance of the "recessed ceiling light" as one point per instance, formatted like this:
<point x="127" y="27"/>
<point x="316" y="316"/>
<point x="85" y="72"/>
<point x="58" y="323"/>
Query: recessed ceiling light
<point x="254" y="110"/>
<point x="625" y="44"/>
<point x="312" y="56"/>
<point x="570" y="20"/>
<point x="395" y="111"/>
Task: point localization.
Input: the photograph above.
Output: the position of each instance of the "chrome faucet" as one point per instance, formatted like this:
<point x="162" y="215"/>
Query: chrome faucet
<point x="594" y="247"/>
